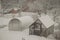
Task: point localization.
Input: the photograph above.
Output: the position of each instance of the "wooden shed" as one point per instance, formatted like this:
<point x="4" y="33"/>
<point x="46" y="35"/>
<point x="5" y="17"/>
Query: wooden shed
<point x="44" y="26"/>
<point x="35" y="28"/>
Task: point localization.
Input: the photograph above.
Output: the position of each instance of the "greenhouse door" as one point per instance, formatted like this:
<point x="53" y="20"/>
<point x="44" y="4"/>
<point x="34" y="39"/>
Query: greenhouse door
<point x="14" y="25"/>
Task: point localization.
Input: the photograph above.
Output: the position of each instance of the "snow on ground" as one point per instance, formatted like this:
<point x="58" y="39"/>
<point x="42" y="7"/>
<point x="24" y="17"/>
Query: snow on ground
<point x="33" y="37"/>
<point x="5" y="34"/>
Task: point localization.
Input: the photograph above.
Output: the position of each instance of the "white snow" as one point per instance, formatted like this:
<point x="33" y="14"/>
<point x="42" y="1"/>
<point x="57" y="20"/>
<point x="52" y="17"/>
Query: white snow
<point x="5" y="34"/>
<point x="47" y="21"/>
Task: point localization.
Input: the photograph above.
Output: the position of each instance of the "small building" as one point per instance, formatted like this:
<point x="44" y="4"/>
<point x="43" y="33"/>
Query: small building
<point x="19" y="24"/>
<point x="35" y="28"/>
<point x="44" y="26"/>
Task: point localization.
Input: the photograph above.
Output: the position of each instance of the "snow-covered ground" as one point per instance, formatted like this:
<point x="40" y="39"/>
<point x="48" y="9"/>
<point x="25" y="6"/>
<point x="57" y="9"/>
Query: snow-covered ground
<point x="5" y="34"/>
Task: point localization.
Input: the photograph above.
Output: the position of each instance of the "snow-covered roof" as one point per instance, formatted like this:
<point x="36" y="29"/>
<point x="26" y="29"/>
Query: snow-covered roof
<point x="46" y="20"/>
<point x="26" y="21"/>
<point x="32" y="14"/>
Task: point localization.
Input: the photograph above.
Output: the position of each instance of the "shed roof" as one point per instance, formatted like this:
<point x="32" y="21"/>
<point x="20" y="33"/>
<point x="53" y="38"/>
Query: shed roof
<point x="47" y="21"/>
